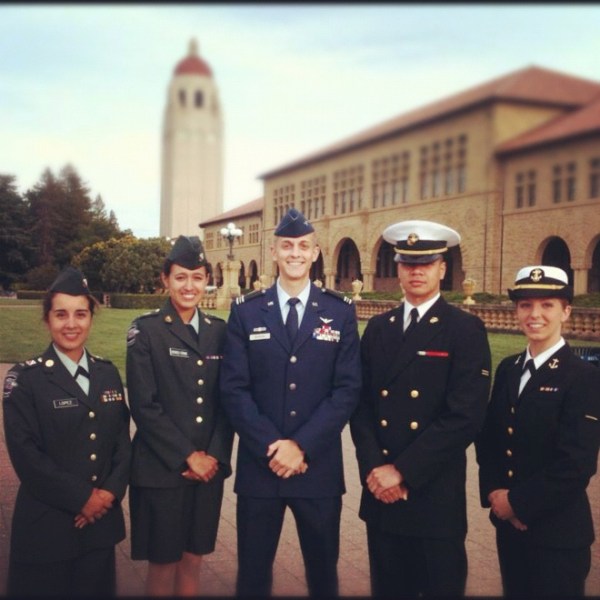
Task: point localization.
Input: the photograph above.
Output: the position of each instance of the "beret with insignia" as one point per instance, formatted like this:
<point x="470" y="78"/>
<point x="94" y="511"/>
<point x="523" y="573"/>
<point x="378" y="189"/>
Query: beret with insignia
<point x="187" y="252"/>
<point x="294" y="224"/>
<point x="70" y="281"/>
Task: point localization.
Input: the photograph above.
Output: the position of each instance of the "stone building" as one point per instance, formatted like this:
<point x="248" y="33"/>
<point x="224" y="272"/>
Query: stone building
<point x="513" y="164"/>
<point x="192" y="148"/>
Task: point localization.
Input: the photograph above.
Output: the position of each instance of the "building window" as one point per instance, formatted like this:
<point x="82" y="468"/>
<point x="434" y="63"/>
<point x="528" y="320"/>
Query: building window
<point x="283" y="199"/>
<point x="519" y="190"/>
<point x="209" y="240"/>
<point x="531" y="188"/>
<point x="423" y="177"/>
<point x="253" y="233"/>
<point x="571" y="182"/>
<point x="461" y="168"/>
<point x="347" y="189"/>
<point x="198" y="99"/>
<point x="556" y="184"/>
<point x="312" y="194"/>
<point x="595" y="178"/>
<point x="182" y="97"/>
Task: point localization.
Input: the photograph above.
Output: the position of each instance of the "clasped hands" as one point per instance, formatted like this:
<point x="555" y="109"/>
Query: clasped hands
<point x="503" y="510"/>
<point x="97" y="505"/>
<point x="287" y="458"/>
<point x="201" y="466"/>
<point x="386" y="484"/>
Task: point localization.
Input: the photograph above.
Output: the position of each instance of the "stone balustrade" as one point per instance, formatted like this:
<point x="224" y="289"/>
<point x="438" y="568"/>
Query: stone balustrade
<point x="584" y="323"/>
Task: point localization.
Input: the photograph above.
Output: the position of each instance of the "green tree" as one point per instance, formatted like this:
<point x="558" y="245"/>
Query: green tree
<point x="15" y="242"/>
<point x="127" y="264"/>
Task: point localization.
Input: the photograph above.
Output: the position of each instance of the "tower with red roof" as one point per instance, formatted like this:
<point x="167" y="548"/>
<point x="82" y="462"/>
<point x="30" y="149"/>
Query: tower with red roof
<point x="192" y="148"/>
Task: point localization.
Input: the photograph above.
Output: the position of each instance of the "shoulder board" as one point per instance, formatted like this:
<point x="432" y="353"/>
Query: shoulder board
<point x="208" y="318"/>
<point x="95" y="358"/>
<point x="151" y="313"/>
<point x="250" y="296"/>
<point x="338" y="295"/>
<point x="28" y="364"/>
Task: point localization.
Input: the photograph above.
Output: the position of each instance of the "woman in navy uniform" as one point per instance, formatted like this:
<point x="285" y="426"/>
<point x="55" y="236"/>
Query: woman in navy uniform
<point x="539" y="447"/>
<point x="67" y="432"/>
<point x="182" y="446"/>
<point x="289" y="390"/>
<point x="426" y="378"/>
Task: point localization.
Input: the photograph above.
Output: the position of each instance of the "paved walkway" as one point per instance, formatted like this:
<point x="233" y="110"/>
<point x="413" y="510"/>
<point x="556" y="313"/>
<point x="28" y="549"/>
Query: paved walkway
<point x="219" y="569"/>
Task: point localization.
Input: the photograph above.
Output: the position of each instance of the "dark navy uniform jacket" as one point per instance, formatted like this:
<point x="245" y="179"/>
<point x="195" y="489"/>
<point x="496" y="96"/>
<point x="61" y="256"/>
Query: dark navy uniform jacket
<point x="543" y="446"/>
<point x="172" y="384"/>
<point x="306" y="391"/>
<point x="62" y="444"/>
<point x="422" y="403"/>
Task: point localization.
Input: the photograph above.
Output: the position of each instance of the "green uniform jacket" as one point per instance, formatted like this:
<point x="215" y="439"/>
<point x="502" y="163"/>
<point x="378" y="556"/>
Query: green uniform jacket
<point x="172" y="385"/>
<point x="62" y="444"/>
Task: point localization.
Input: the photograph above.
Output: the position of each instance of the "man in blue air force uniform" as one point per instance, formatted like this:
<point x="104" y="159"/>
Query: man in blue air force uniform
<point x="426" y="377"/>
<point x="290" y="380"/>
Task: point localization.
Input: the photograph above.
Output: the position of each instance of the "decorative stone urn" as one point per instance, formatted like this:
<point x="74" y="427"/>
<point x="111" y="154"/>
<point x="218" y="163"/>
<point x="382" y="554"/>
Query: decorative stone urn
<point x="468" y="286"/>
<point x="357" y="286"/>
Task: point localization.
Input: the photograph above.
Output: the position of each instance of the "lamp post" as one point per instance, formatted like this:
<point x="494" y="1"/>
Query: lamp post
<point x="230" y="233"/>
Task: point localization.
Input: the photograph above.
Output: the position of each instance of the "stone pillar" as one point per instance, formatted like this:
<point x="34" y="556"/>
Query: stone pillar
<point x="580" y="281"/>
<point x="329" y="278"/>
<point x="230" y="288"/>
<point x="367" y="280"/>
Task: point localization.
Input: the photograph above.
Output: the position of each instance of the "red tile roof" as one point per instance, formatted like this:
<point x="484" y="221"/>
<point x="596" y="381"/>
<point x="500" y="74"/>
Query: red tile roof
<point x="584" y="121"/>
<point x="528" y="85"/>
<point x="244" y="210"/>
<point x="193" y="65"/>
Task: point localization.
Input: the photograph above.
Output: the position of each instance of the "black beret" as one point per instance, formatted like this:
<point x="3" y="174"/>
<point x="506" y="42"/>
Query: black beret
<point x="70" y="281"/>
<point x="187" y="251"/>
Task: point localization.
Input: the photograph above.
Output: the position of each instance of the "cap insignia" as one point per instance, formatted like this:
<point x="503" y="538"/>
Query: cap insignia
<point x="412" y="239"/>
<point x="536" y="275"/>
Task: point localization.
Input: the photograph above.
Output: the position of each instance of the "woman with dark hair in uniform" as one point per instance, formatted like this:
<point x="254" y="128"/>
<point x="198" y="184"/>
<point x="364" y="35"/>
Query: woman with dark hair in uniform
<point x="67" y="432"/>
<point x="182" y="446"/>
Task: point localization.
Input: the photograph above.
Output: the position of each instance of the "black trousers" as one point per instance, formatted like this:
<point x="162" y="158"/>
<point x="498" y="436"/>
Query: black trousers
<point x="91" y="574"/>
<point x="531" y="571"/>
<point x="404" y="566"/>
<point x="259" y="523"/>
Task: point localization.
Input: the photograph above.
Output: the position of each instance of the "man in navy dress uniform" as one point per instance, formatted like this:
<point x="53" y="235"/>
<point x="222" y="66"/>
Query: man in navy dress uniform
<point x="290" y="380"/>
<point x="426" y="377"/>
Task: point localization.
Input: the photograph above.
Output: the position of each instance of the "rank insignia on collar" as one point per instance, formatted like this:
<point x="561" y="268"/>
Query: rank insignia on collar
<point x="553" y="364"/>
<point x="168" y="319"/>
<point x="433" y="320"/>
<point x="49" y="363"/>
<point x="207" y="321"/>
<point x="270" y="303"/>
<point x="392" y="319"/>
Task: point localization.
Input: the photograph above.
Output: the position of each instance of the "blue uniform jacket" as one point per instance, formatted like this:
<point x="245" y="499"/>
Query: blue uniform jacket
<point x="543" y="447"/>
<point x="305" y="392"/>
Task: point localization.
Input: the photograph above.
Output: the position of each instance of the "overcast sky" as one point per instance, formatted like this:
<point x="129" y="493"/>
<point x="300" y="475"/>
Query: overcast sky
<point x="87" y="85"/>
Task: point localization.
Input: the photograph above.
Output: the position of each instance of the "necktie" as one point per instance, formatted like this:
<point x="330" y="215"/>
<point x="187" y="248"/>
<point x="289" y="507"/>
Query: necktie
<point x="81" y="371"/>
<point x="192" y="331"/>
<point x="529" y="366"/>
<point x="527" y="372"/>
<point x="291" y="323"/>
<point x="414" y="317"/>
<point x="84" y="382"/>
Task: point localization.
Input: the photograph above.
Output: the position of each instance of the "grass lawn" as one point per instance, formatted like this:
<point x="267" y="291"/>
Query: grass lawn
<point x="24" y="335"/>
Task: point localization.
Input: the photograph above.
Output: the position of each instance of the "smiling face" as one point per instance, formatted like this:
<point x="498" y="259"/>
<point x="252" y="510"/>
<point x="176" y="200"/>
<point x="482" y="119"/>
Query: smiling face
<point x="294" y="257"/>
<point x="186" y="288"/>
<point x="421" y="282"/>
<point x="541" y="321"/>
<point x="69" y="321"/>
